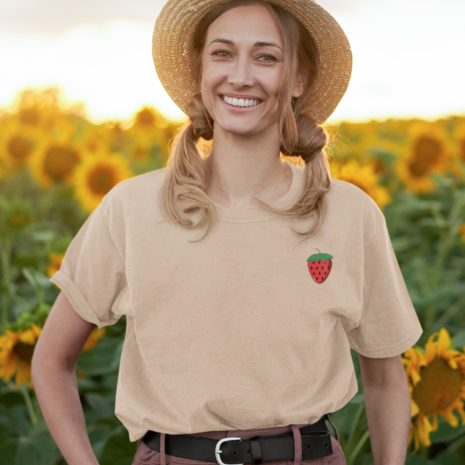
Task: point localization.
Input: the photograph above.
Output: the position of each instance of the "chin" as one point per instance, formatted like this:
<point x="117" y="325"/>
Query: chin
<point x="241" y="130"/>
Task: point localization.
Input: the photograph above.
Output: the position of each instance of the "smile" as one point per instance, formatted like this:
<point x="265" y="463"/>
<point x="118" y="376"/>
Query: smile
<point x="239" y="102"/>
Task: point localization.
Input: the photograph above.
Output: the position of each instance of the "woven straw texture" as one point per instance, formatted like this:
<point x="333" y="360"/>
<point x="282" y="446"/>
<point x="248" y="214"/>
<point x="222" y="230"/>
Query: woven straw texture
<point x="178" y="19"/>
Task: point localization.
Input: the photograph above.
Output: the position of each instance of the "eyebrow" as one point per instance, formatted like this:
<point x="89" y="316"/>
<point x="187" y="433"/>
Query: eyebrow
<point x="256" y="44"/>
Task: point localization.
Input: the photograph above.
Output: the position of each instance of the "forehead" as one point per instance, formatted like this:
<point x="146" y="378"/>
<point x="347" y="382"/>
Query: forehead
<point x="245" y="24"/>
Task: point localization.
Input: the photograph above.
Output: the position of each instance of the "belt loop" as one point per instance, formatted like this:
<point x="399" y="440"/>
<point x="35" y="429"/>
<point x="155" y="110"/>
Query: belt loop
<point x="297" y="445"/>
<point x="334" y="427"/>
<point x="162" y="448"/>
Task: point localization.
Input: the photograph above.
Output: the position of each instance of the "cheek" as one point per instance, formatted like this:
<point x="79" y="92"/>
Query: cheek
<point x="270" y="81"/>
<point x="275" y="83"/>
<point x="211" y="79"/>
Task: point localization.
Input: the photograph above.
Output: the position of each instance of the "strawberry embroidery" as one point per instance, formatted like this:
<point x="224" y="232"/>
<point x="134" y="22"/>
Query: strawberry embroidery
<point x="319" y="265"/>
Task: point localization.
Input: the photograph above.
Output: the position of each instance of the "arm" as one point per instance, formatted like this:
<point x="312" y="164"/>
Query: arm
<point x="53" y="372"/>
<point x="387" y="400"/>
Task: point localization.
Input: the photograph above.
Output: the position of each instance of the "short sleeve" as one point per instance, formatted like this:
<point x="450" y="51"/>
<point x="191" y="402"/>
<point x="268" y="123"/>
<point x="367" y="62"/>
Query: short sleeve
<point x="388" y="324"/>
<point x="92" y="273"/>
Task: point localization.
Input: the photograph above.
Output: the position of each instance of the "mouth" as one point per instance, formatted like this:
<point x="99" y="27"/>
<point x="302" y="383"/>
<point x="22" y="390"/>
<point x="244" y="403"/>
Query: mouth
<point x="239" y="104"/>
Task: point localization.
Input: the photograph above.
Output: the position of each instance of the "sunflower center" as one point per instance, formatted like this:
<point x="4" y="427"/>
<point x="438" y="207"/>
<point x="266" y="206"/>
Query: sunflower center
<point x="379" y="166"/>
<point x="439" y="386"/>
<point x="101" y="180"/>
<point x="19" y="148"/>
<point x="24" y="351"/>
<point x="60" y="161"/>
<point x="426" y="152"/>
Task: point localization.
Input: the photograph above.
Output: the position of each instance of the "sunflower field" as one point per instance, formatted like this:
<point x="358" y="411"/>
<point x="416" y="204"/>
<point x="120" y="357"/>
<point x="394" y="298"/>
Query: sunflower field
<point x="55" y="167"/>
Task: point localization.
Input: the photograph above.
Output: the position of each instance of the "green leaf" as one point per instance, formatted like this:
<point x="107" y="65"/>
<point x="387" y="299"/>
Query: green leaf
<point x="102" y="405"/>
<point x="99" y="360"/>
<point x="319" y="256"/>
<point x="118" y="450"/>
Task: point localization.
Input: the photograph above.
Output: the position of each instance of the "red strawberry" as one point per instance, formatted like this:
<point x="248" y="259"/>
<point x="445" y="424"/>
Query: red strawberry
<point x="319" y="265"/>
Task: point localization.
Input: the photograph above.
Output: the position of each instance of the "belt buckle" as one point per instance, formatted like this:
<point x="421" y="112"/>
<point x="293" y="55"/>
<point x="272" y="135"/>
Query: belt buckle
<point x="218" y="451"/>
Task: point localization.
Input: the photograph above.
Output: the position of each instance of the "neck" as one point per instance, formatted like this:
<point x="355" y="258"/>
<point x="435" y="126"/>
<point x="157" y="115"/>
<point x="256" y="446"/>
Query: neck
<point x="242" y="167"/>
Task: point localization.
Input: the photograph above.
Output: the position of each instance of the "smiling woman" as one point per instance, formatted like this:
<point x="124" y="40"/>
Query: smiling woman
<point x="239" y="344"/>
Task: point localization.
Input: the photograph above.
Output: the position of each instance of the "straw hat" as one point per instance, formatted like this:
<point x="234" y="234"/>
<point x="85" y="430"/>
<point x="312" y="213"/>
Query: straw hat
<point x="178" y="19"/>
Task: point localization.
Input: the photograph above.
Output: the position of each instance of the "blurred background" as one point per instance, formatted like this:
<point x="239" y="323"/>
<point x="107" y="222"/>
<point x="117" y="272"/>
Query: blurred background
<point x="81" y="109"/>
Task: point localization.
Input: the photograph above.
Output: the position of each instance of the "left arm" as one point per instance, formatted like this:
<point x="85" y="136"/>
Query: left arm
<point x="388" y="408"/>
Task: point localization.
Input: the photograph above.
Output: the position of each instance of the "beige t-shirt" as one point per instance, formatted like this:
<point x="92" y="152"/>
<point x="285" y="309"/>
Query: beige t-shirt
<point x="238" y="331"/>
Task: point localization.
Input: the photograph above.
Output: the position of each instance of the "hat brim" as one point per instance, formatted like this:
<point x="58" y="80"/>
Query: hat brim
<point x="179" y="18"/>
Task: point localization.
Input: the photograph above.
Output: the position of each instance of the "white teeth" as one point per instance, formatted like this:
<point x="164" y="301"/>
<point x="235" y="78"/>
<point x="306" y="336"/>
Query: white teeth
<point x="240" y="102"/>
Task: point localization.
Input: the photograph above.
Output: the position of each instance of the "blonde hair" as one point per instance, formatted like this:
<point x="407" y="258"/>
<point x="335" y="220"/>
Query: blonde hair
<point x="186" y="178"/>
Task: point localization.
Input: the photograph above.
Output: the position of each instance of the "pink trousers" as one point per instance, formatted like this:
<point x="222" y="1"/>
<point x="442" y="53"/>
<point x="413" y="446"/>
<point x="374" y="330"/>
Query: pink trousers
<point x="146" y="456"/>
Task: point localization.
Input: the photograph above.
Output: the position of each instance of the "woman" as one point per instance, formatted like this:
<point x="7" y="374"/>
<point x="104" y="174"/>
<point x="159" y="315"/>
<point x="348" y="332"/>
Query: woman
<point x="238" y="342"/>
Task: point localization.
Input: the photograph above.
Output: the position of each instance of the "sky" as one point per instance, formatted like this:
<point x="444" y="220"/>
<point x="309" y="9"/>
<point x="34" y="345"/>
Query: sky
<point x="407" y="56"/>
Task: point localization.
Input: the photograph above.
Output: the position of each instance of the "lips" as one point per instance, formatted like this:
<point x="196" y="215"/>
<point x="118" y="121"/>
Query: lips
<point x="237" y="99"/>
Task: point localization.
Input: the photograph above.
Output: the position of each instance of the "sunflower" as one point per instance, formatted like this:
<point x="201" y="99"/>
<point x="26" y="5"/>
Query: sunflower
<point x="382" y="154"/>
<point x="148" y="118"/>
<point x="152" y="126"/>
<point x="55" y="262"/>
<point x="436" y="380"/>
<point x="140" y="147"/>
<point x="16" y="349"/>
<point x="56" y="156"/>
<point x="364" y="177"/>
<point x="427" y="150"/>
<point x="39" y="109"/>
<point x="97" y="175"/>
<point x="95" y="138"/>
<point x="17" y="144"/>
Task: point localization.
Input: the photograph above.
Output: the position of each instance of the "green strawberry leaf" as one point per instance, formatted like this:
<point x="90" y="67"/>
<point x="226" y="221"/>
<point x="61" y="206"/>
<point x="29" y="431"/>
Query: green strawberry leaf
<point x="319" y="256"/>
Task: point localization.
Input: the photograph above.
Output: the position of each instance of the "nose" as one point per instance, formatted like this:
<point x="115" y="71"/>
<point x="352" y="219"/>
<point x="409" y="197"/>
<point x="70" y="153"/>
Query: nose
<point x="241" y="74"/>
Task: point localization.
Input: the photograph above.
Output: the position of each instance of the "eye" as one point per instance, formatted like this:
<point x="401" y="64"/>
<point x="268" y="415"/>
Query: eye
<point x="271" y="57"/>
<point x="219" y="52"/>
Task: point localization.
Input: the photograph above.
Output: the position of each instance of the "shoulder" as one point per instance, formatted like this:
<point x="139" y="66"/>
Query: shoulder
<point x="348" y="201"/>
<point x="140" y="184"/>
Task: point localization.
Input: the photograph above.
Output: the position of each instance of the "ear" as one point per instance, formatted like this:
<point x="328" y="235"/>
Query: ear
<point x="299" y="87"/>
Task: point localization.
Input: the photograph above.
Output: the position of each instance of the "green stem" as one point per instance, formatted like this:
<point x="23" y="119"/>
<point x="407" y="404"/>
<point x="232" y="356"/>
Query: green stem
<point x="355" y="451"/>
<point x="457" y="444"/>
<point x="422" y="278"/>
<point x="5" y="252"/>
<point x="456" y="307"/>
<point x="447" y="238"/>
<point x="25" y="391"/>
<point x="355" y="423"/>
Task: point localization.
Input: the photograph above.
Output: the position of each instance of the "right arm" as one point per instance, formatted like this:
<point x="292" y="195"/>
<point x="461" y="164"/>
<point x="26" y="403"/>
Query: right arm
<point x="53" y="372"/>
